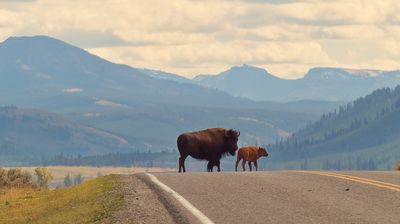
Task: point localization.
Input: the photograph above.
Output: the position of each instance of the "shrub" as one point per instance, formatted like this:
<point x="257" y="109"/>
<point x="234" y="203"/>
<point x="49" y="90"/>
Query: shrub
<point x="18" y="178"/>
<point x="14" y="178"/>
<point x="3" y="177"/>
<point x="398" y="166"/>
<point x="67" y="180"/>
<point x="43" y="176"/>
<point x="78" y="179"/>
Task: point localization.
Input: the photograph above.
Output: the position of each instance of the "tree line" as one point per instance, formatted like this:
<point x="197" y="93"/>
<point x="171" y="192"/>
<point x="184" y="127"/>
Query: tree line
<point x="165" y="158"/>
<point x="347" y="119"/>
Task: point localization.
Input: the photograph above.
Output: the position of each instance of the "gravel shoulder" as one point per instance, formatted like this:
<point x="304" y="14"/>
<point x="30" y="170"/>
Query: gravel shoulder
<point x="142" y="205"/>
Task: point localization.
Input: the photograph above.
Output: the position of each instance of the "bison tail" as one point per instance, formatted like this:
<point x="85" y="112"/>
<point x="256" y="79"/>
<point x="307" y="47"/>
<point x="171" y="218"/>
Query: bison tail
<point x="181" y="143"/>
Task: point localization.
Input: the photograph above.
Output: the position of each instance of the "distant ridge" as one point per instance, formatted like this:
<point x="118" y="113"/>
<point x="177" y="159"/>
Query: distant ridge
<point x="320" y="83"/>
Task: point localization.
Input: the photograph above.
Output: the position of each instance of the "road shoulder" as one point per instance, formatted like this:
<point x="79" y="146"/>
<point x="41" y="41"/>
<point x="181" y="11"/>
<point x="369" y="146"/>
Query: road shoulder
<point x="178" y="212"/>
<point x="142" y="205"/>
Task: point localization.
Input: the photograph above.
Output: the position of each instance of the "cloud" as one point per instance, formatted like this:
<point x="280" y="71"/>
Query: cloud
<point x="270" y="1"/>
<point x="72" y="90"/>
<point x="16" y="1"/>
<point x="190" y="36"/>
<point x="92" y="38"/>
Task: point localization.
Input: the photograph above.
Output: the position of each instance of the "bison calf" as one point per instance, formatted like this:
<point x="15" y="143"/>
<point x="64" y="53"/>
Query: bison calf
<point x="250" y="154"/>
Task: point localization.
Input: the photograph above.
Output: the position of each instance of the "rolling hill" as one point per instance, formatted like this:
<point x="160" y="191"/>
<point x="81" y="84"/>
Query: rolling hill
<point x="32" y="134"/>
<point x="157" y="126"/>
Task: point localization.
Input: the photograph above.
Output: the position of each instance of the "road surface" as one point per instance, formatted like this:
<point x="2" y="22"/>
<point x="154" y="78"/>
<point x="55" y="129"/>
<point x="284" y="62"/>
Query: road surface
<point x="284" y="196"/>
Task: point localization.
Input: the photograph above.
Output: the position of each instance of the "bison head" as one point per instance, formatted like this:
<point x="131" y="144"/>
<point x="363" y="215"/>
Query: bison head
<point x="231" y="139"/>
<point x="262" y="152"/>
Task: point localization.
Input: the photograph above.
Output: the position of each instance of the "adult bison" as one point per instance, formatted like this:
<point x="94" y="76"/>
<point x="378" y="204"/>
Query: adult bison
<point x="210" y="144"/>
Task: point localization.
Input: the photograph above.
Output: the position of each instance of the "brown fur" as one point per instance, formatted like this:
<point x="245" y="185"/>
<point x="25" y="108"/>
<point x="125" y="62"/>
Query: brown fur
<point x="250" y="154"/>
<point x="209" y="144"/>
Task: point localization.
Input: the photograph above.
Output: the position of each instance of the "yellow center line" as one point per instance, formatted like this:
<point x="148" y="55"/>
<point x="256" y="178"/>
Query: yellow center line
<point x="370" y="180"/>
<point x="380" y="184"/>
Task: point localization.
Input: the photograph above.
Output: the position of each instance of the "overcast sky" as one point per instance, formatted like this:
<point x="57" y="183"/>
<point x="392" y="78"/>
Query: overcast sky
<point x="190" y="37"/>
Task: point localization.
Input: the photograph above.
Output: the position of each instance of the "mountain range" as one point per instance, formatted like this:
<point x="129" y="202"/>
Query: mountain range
<point x="321" y="83"/>
<point x="42" y="70"/>
<point x="149" y="112"/>
<point x="149" y="108"/>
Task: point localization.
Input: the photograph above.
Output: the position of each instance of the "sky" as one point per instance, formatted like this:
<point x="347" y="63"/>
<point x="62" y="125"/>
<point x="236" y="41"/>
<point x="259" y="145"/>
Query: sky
<point x="190" y="37"/>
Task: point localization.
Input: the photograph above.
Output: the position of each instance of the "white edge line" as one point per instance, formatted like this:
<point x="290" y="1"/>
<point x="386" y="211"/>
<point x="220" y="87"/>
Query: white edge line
<point x="196" y="212"/>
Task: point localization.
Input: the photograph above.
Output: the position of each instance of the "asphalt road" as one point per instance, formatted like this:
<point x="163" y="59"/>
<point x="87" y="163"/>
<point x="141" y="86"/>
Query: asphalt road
<point x="286" y="197"/>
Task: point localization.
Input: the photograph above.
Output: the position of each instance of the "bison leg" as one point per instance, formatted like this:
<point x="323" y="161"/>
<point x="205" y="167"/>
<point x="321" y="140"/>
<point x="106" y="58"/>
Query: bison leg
<point x="182" y="164"/>
<point x="250" y="165"/>
<point x="256" y="165"/>
<point x="244" y="165"/>
<point x="210" y="166"/>
<point x="219" y="166"/>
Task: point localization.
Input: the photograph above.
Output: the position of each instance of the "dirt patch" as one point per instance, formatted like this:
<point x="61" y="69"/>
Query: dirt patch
<point x="141" y="204"/>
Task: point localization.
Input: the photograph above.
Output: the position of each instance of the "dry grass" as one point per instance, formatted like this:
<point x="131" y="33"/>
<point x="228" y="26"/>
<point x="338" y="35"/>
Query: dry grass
<point x="89" y="202"/>
<point x="12" y="194"/>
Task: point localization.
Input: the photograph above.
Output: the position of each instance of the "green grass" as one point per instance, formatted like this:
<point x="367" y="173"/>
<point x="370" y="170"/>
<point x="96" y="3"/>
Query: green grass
<point x="89" y="202"/>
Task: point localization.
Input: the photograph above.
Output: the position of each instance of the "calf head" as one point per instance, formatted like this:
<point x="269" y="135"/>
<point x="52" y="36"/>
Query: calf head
<point x="262" y="152"/>
<point x="231" y="139"/>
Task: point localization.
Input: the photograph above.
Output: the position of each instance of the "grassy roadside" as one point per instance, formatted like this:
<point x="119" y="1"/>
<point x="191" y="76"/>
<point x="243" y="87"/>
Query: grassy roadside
<point x="89" y="202"/>
<point x="89" y="172"/>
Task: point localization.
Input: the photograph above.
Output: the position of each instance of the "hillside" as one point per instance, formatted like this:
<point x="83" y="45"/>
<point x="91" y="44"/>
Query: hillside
<point x="370" y="122"/>
<point x="324" y="84"/>
<point x="157" y="126"/>
<point x="29" y="133"/>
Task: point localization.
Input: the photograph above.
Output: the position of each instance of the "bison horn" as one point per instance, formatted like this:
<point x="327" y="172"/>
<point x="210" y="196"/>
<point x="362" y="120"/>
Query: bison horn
<point x="238" y="133"/>
<point x="227" y="133"/>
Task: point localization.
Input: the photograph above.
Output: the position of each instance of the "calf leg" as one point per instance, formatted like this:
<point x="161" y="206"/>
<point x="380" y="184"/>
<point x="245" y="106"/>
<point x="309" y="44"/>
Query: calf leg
<point x="237" y="163"/>
<point x="250" y="165"/>
<point x="256" y="165"/>
<point x="244" y="165"/>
